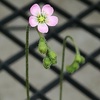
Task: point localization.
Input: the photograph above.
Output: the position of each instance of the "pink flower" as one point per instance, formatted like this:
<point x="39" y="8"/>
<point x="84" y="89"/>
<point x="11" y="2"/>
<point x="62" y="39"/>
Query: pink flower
<point x="42" y="18"/>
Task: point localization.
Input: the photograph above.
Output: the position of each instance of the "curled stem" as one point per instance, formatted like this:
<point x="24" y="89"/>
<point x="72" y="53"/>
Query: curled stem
<point x="27" y="52"/>
<point x="62" y="65"/>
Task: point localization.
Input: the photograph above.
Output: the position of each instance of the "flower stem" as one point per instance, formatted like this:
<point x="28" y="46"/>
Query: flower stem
<point x="76" y="48"/>
<point x="40" y="34"/>
<point x="27" y="52"/>
<point x="62" y="65"/>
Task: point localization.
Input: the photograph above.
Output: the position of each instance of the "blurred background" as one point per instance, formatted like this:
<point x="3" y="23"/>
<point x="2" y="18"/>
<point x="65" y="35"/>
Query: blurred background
<point x="78" y="18"/>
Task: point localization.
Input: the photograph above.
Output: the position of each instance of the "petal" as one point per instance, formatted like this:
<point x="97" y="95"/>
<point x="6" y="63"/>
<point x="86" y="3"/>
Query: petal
<point x="52" y="21"/>
<point x="35" y="10"/>
<point x="43" y="28"/>
<point x="33" y="21"/>
<point x="47" y="9"/>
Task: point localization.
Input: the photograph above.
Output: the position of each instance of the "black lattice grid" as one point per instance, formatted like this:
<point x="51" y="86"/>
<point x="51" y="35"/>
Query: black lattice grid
<point x="73" y="21"/>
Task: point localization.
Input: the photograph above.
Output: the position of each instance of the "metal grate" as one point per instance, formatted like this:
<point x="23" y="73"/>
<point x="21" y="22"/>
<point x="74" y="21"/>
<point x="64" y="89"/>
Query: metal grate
<point x="73" y="21"/>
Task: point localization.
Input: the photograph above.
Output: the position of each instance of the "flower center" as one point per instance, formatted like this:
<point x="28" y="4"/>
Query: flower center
<point x="41" y="19"/>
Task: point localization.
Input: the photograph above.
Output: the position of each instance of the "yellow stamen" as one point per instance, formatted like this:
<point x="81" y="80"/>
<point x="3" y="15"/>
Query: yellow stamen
<point x="41" y="19"/>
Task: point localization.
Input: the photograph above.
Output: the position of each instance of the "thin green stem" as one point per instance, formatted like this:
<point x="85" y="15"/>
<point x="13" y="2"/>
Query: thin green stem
<point x="76" y="48"/>
<point x="40" y="34"/>
<point x="27" y="52"/>
<point x="62" y="65"/>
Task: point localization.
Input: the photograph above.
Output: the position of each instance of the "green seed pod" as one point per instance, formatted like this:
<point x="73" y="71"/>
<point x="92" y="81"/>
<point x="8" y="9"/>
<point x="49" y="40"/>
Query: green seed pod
<point x="46" y="62"/>
<point x="78" y="58"/>
<point x="42" y="46"/>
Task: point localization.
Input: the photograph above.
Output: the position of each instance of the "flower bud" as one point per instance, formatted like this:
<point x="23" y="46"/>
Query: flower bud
<point x="69" y="69"/>
<point x="46" y="62"/>
<point x="82" y="60"/>
<point x="42" y="39"/>
<point x="52" y="55"/>
<point x="42" y="46"/>
<point x="72" y="68"/>
<point x="78" y="58"/>
<point x="53" y="61"/>
<point x="75" y="65"/>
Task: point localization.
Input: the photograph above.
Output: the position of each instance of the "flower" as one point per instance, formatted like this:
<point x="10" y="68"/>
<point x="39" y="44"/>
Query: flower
<point x="42" y="18"/>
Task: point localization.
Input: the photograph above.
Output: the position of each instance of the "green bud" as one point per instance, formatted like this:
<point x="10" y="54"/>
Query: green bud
<point x="42" y="39"/>
<point x="75" y="65"/>
<point x="78" y="58"/>
<point x="42" y="46"/>
<point x="46" y="62"/>
<point x="82" y="60"/>
<point x="69" y="69"/>
<point x="72" y="68"/>
<point x="52" y="55"/>
<point x="53" y="61"/>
